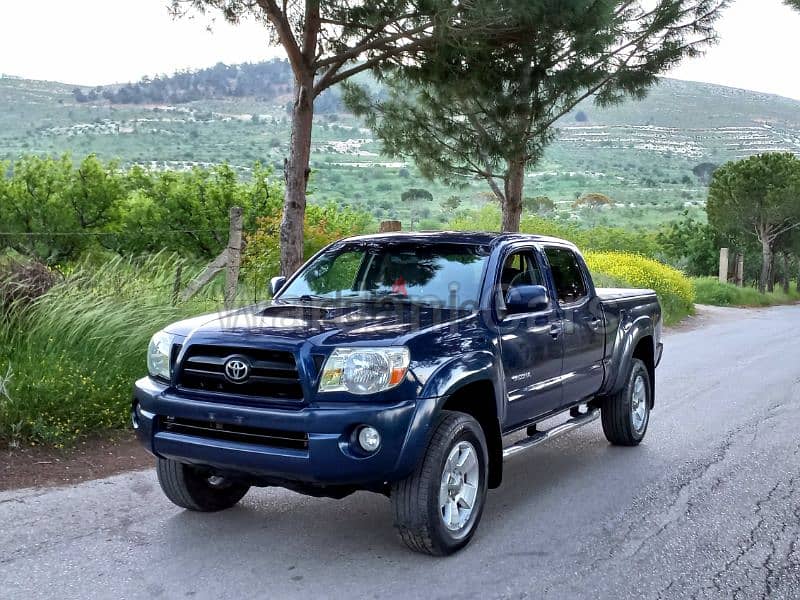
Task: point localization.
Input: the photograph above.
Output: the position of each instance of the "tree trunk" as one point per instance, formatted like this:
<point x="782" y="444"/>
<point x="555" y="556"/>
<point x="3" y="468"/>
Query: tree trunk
<point x="785" y="276"/>
<point x="771" y="283"/>
<point x="514" y="186"/>
<point x="296" y="171"/>
<point x="766" y="265"/>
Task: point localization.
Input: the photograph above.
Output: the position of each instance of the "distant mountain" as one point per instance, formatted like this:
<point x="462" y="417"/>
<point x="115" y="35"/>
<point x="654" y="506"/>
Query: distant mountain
<point x="265" y="81"/>
<point x="652" y="157"/>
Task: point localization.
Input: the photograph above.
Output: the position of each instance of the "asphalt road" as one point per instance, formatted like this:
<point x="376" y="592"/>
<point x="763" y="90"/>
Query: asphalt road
<point x="708" y="507"/>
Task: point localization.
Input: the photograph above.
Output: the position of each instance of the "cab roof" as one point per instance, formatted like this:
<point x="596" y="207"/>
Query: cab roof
<point x="478" y="238"/>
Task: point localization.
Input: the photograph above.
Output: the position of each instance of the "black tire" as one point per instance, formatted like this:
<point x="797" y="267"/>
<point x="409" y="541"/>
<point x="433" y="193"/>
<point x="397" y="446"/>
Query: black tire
<point x="619" y="421"/>
<point x="418" y="516"/>
<point x="190" y="488"/>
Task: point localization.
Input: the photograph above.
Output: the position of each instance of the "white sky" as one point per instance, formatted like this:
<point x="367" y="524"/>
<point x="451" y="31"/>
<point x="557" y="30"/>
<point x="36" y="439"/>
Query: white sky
<point x="95" y="42"/>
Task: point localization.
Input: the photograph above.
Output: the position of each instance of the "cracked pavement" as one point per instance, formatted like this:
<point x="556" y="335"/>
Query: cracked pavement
<point x="707" y="507"/>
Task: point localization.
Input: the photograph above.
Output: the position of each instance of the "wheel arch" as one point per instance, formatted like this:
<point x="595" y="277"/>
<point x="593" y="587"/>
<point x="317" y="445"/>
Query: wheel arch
<point x="636" y="340"/>
<point x="477" y="399"/>
<point x="645" y="351"/>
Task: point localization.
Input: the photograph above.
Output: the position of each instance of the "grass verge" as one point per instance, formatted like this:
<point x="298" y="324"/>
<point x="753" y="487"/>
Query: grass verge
<point x="709" y="290"/>
<point x="69" y="358"/>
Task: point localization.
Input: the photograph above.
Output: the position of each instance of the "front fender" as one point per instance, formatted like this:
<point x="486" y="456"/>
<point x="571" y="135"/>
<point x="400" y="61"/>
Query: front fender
<point x="443" y="383"/>
<point x="628" y="336"/>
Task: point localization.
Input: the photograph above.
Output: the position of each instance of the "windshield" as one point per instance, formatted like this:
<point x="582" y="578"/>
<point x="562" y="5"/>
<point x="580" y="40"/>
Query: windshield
<point x="446" y="274"/>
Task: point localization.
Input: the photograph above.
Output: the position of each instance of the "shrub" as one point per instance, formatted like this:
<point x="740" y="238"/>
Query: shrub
<point x="23" y="282"/>
<point x="675" y="291"/>
<point x="68" y="359"/>
<point x="709" y="290"/>
<point x="323" y="225"/>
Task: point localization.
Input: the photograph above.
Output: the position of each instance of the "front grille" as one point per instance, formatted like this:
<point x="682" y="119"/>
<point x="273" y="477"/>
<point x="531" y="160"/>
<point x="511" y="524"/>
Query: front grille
<point x="273" y="373"/>
<point x="236" y="433"/>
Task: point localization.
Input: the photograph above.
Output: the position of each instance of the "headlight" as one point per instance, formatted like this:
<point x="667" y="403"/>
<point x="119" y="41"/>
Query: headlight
<point x="364" y="370"/>
<point x="158" y="355"/>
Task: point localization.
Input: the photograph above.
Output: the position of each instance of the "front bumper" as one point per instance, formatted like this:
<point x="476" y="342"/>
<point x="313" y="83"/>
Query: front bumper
<point x="329" y="459"/>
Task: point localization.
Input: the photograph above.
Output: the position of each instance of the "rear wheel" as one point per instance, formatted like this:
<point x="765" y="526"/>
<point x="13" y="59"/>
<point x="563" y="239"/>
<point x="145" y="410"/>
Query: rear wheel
<point x="626" y="414"/>
<point x="197" y="489"/>
<point x="438" y="507"/>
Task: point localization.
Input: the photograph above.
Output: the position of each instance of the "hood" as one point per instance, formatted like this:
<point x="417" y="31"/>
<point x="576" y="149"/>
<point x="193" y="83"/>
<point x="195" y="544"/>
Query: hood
<point x="320" y="323"/>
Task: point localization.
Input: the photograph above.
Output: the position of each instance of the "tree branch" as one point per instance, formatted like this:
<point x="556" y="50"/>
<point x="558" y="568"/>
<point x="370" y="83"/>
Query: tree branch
<point x="280" y="21"/>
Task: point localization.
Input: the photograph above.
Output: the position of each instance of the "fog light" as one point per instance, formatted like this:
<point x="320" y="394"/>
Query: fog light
<point x="369" y="439"/>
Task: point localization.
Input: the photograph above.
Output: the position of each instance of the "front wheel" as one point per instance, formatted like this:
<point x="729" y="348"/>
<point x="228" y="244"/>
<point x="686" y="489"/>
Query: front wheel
<point x="438" y="507"/>
<point x="626" y="414"/>
<point x="197" y="489"/>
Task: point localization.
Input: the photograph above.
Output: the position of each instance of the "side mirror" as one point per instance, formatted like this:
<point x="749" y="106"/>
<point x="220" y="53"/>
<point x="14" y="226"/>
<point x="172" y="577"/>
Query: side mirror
<point x="275" y="284"/>
<point x="527" y="298"/>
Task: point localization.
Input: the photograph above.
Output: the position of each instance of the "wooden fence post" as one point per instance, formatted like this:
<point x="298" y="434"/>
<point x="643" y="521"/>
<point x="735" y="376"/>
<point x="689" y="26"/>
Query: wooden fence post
<point x="389" y="226"/>
<point x="740" y="269"/>
<point x="230" y="258"/>
<point x="723" y="265"/>
<point x="176" y="286"/>
<point x="234" y="256"/>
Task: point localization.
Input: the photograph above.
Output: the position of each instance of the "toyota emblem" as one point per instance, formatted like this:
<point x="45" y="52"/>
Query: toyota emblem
<point x="237" y="370"/>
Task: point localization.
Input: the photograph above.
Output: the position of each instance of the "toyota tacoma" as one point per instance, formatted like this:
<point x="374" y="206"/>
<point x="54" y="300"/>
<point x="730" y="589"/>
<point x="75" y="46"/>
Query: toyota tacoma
<point x="407" y="364"/>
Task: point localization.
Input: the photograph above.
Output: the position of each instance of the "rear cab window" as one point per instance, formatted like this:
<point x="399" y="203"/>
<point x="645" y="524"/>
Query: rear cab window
<point x="567" y="275"/>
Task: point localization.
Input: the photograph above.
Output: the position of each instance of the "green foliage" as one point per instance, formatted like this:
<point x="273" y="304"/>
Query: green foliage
<point x="266" y="79"/>
<point x="46" y="205"/>
<point x="68" y="359"/>
<point x="709" y="290"/>
<point x="416" y="194"/>
<point x="596" y="238"/>
<point x="451" y="203"/>
<point x="692" y="245"/>
<point x="704" y="171"/>
<point x="486" y="107"/>
<point x="756" y="196"/>
<point x="675" y="291"/>
<point x="188" y="213"/>
<point x="538" y="204"/>
<point x="55" y="212"/>
<point x="323" y="225"/>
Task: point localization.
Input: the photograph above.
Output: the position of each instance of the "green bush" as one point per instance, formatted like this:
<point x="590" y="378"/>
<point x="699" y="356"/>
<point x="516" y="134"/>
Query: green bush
<point x="595" y="238"/>
<point x="709" y="290"/>
<point x="674" y="289"/>
<point x="68" y="359"/>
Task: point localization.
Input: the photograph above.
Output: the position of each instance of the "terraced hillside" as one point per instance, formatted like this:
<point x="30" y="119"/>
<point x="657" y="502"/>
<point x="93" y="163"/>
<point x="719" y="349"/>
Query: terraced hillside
<point x="641" y="154"/>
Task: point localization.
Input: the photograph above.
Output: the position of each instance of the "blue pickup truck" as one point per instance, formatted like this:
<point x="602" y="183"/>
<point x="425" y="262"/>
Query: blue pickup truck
<point x="408" y="364"/>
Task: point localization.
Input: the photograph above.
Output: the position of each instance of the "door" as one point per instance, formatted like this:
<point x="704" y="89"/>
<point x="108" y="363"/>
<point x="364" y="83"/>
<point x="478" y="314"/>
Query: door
<point x="584" y="335"/>
<point x="531" y="344"/>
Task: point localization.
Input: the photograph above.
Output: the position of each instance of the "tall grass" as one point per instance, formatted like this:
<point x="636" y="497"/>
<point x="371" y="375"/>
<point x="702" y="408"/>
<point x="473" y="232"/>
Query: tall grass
<point x="68" y="359"/>
<point x="710" y="290"/>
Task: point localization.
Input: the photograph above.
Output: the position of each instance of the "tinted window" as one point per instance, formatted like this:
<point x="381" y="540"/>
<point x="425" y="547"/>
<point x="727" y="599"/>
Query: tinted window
<point x="567" y="275"/>
<point x="519" y="268"/>
<point x="450" y="274"/>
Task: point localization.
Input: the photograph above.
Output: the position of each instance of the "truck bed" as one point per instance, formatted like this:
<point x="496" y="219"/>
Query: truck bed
<point x="609" y="295"/>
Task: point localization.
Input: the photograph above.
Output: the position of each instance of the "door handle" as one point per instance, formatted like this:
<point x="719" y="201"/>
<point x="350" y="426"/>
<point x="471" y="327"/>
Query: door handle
<point x="594" y="323"/>
<point x="556" y="329"/>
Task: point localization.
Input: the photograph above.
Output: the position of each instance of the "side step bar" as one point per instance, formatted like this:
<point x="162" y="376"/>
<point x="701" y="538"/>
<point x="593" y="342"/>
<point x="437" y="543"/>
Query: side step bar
<point x="543" y="436"/>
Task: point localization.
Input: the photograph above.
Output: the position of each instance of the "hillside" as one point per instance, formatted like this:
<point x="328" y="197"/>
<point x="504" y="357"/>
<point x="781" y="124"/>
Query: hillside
<point x="641" y="154"/>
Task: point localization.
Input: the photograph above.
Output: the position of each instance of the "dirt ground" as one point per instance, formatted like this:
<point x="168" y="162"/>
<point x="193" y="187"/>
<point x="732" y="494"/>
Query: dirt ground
<point x="92" y="458"/>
